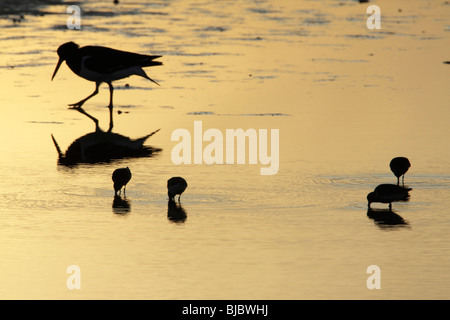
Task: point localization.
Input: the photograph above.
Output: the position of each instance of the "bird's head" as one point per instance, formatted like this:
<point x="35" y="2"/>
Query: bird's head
<point x="371" y="197"/>
<point x="65" y="51"/>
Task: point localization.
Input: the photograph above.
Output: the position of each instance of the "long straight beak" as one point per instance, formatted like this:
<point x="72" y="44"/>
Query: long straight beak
<point x="57" y="67"/>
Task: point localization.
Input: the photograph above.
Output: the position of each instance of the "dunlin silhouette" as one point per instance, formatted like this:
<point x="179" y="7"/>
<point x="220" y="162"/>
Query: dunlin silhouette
<point x="399" y="166"/>
<point x="388" y="193"/>
<point x="120" y="178"/>
<point x="176" y="185"/>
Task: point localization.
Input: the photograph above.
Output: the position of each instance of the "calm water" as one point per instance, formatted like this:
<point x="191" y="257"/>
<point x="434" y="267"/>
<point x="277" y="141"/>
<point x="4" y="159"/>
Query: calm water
<point x="345" y="99"/>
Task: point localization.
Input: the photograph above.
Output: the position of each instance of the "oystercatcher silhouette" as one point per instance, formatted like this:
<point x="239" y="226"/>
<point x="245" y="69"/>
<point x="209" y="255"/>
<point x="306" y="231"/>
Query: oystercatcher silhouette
<point x="102" y="64"/>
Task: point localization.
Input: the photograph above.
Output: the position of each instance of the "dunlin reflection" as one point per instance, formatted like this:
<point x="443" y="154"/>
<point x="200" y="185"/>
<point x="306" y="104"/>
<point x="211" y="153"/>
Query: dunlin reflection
<point x="386" y="218"/>
<point x="175" y="212"/>
<point x="121" y="205"/>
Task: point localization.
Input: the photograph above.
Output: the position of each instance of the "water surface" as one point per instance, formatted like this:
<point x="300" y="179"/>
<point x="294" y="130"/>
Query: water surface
<point x="345" y="99"/>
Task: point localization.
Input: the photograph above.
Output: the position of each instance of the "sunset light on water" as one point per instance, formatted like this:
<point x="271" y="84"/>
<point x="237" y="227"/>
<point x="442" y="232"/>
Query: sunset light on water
<point x="281" y="116"/>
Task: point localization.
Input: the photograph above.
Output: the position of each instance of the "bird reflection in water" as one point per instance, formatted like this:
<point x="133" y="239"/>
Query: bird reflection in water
<point x="103" y="146"/>
<point x="386" y="218"/>
<point x="175" y="212"/>
<point x="121" y="205"/>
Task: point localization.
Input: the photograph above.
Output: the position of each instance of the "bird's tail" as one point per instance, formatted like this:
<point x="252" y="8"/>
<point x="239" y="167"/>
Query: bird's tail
<point x="148" y="61"/>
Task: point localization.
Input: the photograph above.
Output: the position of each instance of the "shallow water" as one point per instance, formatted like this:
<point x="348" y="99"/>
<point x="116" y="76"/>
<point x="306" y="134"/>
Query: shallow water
<point x="345" y="99"/>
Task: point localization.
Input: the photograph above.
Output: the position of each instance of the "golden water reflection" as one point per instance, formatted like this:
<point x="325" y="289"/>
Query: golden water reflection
<point x="345" y="99"/>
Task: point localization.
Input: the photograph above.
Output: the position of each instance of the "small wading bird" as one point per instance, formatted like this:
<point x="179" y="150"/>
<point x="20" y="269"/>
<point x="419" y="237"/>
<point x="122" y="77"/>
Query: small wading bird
<point x="120" y="178"/>
<point x="176" y="185"/>
<point x="399" y="166"/>
<point x="388" y="193"/>
<point x="102" y="64"/>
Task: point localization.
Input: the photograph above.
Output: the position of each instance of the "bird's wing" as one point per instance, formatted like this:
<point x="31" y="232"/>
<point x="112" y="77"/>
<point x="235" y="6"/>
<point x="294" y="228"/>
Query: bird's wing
<point x="391" y="190"/>
<point x="107" y="60"/>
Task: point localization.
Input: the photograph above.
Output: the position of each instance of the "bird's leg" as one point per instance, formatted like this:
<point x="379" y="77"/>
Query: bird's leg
<point x="403" y="180"/>
<point x="390" y="206"/>
<point x="81" y="102"/>
<point x="111" y="89"/>
<point x="179" y="198"/>
<point x="81" y="110"/>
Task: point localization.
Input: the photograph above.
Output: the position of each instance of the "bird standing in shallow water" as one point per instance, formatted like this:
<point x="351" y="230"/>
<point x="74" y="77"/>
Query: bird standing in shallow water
<point x="176" y="185"/>
<point x="399" y="166"/>
<point x="102" y="64"/>
<point x="120" y="178"/>
<point x="388" y="193"/>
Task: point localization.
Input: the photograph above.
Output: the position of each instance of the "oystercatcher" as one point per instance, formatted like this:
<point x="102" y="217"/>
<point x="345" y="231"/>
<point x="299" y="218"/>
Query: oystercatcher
<point x="399" y="166"/>
<point x="176" y="185"/>
<point x="388" y="193"/>
<point x="102" y="64"/>
<point x="120" y="178"/>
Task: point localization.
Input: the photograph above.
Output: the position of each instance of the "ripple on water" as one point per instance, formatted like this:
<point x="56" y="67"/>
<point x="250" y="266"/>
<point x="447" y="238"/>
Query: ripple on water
<point x="211" y="113"/>
<point x="351" y="191"/>
<point x="413" y="181"/>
